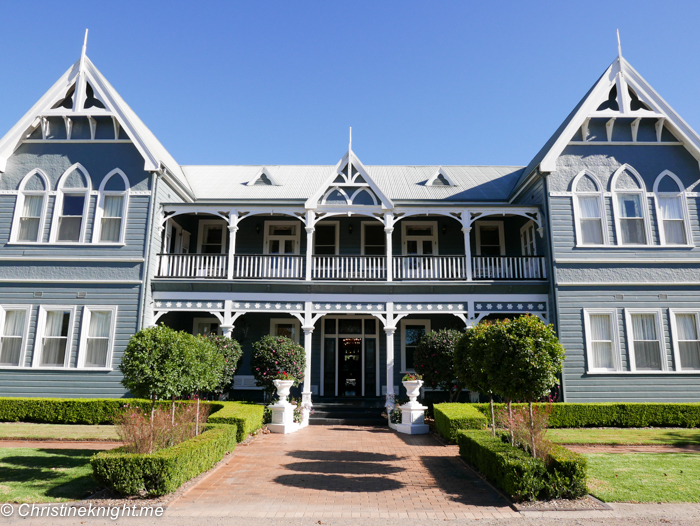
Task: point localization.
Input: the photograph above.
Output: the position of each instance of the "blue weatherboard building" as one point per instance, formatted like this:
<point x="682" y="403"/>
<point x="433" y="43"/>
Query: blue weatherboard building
<point x="103" y="233"/>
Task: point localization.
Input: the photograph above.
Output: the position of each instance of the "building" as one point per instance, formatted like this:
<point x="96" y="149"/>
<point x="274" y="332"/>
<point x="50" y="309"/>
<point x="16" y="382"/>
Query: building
<point x="103" y="233"/>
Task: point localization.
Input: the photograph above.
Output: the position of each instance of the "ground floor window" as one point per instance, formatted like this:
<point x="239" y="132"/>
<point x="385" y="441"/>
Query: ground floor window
<point x="602" y="342"/>
<point x="205" y="326"/>
<point x="411" y="333"/>
<point x="54" y="336"/>
<point x="13" y="322"/>
<point x="97" y="337"/>
<point x="686" y="339"/>
<point x="288" y="327"/>
<point x="644" y="336"/>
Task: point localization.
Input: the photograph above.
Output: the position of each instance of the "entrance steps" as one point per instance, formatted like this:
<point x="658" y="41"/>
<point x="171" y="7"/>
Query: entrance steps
<point x="348" y="412"/>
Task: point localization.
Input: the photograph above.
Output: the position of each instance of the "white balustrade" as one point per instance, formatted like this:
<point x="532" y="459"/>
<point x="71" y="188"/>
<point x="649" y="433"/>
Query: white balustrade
<point x="509" y="267"/>
<point x="349" y="267"/>
<point x="430" y="267"/>
<point x="193" y="266"/>
<point x="259" y="266"/>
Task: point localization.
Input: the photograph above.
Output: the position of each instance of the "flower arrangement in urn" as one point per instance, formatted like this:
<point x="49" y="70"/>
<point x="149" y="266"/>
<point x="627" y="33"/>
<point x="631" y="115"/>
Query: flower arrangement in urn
<point x="412" y="377"/>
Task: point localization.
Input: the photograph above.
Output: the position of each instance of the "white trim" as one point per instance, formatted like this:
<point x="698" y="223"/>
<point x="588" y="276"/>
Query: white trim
<point x="674" y="336"/>
<point x="19" y="205"/>
<point x="577" y="209"/>
<point x="25" y="331"/>
<point x="267" y="237"/>
<point x="402" y="328"/>
<point x="640" y="373"/>
<point x="438" y="173"/>
<point x="79" y="141"/>
<point x="626" y="260"/>
<point x="337" y="236"/>
<point x="644" y="203"/>
<point x="97" y="281"/>
<point x="377" y="223"/>
<point x="210" y="319"/>
<point x="501" y="235"/>
<point x="684" y="207"/>
<point x="625" y="143"/>
<point x="58" y="204"/>
<point x="200" y="233"/>
<point x="99" y="208"/>
<point x="85" y="258"/>
<point x="408" y="237"/>
<point x="41" y="328"/>
<point x="286" y="321"/>
<point x="659" y="333"/>
<point x="84" y="329"/>
<point x="614" y="325"/>
<point x="264" y="170"/>
<point x="627" y="283"/>
<point x="529" y="230"/>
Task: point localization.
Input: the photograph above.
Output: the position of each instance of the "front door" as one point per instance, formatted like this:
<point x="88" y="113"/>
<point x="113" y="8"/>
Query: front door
<point x="350" y="366"/>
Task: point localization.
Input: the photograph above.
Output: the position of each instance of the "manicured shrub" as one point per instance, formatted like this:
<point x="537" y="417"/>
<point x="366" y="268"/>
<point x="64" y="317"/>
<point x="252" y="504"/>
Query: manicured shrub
<point x="247" y="416"/>
<point x="164" y="471"/>
<point x="567" y="474"/>
<point x="273" y="355"/>
<point x="90" y="411"/>
<point x="231" y="351"/>
<point x="434" y="359"/>
<point x="450" y="418"/>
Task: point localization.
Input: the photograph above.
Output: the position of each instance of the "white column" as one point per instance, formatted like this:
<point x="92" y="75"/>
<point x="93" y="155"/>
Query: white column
<point x="227" y="325"/>
<point x="468" y="252"/>
<point x="306" y="391"/>
<point x="232" y="229"/>
<point x="227" y="330"/>
<point x="390" y="365"/>
<point x="389" y="229"/>
<point x="310" y="221"/>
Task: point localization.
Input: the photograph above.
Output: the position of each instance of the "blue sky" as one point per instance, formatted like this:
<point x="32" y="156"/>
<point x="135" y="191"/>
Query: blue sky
<point x="280" y="82"/>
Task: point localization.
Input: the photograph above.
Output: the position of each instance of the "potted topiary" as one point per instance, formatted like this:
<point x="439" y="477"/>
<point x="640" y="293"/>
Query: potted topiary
<point x="283" y="383"/>
<point x="412" y="382"/>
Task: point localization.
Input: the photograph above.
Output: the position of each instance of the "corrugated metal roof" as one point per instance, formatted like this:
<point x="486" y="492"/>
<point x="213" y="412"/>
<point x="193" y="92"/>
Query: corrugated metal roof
<point x="473" y="183"/>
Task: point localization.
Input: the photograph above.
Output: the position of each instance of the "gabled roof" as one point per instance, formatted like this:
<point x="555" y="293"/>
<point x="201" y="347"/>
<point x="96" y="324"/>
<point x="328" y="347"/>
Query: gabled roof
<point x="613" y="96"/>
<point x="73" y="84"/>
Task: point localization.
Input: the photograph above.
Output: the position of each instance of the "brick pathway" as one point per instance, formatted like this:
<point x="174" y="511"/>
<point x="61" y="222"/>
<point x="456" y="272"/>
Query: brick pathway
<point x="343" y="471"/>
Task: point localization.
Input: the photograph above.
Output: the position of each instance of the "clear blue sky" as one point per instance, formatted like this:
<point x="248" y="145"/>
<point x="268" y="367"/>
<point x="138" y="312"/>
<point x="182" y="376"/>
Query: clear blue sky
<point x="280" y="82"/>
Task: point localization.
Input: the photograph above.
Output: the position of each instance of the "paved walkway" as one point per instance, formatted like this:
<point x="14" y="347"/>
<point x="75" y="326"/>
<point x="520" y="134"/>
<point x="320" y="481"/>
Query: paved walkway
<point x="343" y="471"/>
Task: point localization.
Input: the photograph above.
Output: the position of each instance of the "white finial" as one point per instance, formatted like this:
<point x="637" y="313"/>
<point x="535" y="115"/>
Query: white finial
<point x="82" y="55"/>
<point x="619" y="47"/>
<point x="350" y="144"/>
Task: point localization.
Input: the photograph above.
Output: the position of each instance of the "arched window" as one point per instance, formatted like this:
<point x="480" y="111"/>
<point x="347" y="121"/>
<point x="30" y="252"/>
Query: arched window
<point x="671" y="210"/>
<point x="110" y="215"/>
<point x="30" y="210"/>
<point x="631" y="207"/>
<point x="70" y="210"/>
<point x="589" y="210"/>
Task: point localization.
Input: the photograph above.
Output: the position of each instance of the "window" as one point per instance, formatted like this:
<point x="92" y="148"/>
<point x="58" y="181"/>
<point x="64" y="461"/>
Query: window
<point x="420" y="239"/>
<point x="490" y="240"/>
<point x="644" y="337"/>
<point x="71" y="206"/>
<point x="111" y="210"/>
<point x="411" y="333"/>
<point x="686" y="339"/>
<point x="281" y="237"/>
<point x="602" y="341"/>
<point x="326" y="239"/>
<point x="30" y="210"/>
<point x="373" y="239"/>
<point x="54" y="337"/>
<point x="527" y="239"/>
<point x="212" y="239"/>
<point x="13" y="322"/>
<point x="205" y="326"/>
<point x="97" y="336"/>
<point x="288" y="327"/>
<point x="589" y="208"/>
<point x="631" y="207"/>
<point x="671" y="210"/>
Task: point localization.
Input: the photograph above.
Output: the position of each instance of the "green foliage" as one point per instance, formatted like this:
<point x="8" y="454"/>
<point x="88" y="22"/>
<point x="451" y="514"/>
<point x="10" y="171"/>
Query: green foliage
<point x="520" y="475"/>
<point x="203" y="367"/>
<point x="247" y="416"/>
<point x="231" y="351"/>
<point x="273" y="355"/>
<point x="434" y="359"/>
<point x="163" y="472"/>
<point x="89" y="411"/>
<point x="450" y="418"/>
<point x="471" y="359"/>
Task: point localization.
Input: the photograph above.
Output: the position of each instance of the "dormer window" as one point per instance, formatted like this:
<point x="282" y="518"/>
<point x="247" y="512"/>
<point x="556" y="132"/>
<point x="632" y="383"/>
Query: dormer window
<point x="30" y="209"/>
<point x="630" y="205"/>
<point x="671" y="210"/>
<point x="589" y="210"/>
<point x="262" y="178"/>
<point x="440" y="178"/>
<point x="110" y="217"/>
<point x="71" y="206"/>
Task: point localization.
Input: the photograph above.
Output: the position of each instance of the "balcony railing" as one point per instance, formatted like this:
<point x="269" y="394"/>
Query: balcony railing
<point x="363" y="268"/>
<point x="508" y="267"/>
<point x="351" y="268"/>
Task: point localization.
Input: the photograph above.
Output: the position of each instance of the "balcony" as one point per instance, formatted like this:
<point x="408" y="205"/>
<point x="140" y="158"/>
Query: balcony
<point x="351" y="268"/>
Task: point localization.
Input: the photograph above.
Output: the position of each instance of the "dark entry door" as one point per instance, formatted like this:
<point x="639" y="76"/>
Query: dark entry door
<point x="350" y="366"/>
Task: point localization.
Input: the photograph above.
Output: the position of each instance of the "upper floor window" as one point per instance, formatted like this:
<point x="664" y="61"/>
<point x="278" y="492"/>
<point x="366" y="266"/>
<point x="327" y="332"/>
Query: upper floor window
<point x="71" y="206"/>
<point x="110" y="216"/>
<point x="671" y="210"/>
<point x="30" y="211"/>
<point x="490" y="238"/>
<point x="630" y="205"/>
<point x="589" y="208"/>
<point x="281" y="238"/>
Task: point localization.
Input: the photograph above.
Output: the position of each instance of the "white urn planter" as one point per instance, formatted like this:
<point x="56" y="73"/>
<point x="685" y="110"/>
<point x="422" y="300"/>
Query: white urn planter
<point x="412" y="412"/>
<point x="282" y="410"/>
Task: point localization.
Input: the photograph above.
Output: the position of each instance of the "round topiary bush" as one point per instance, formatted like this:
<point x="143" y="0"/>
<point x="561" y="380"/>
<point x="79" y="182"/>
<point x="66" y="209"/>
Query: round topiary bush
<point x="434" y="360"/>
<point x="273" y="355"/>
<point x="231" y="351"/>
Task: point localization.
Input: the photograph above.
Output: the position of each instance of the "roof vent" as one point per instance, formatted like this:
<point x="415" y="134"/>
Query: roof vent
<point x="619" y="297"/>
<point x="81" y="294"/>
<point x="663" y="296"/>
<point x="38" y="294"/>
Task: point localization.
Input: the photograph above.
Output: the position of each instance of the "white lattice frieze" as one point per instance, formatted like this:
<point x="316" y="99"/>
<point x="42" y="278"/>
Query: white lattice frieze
<point x="510" y="307"/>
<point x="355" y="308"/>
<point x="242" y="305"/>
<point x="416" y="308"/>
<point x="189" y="305"/>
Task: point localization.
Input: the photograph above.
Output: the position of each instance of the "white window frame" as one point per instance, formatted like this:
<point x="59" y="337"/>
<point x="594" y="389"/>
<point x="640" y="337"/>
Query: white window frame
<point x="577" y="209"/>
<point x="39" y="336"/>
<point x="615" y="333"/>
<point x="99" y="210"/>
<point x="200" y="233"/>
<point x="630" y="338"/>
<point x="363" y="225"/>
<point x="25" y="332"/>
<point x="286" y="321"/>
<point x="674" y="337"/>
<point x="19" y="205"/>
<point x="211" y="319"/>
<point x="684" y="207"/>
<point x="85" y="328"/>
<point x="529" y="229"/>
<point x="644" y="199"/>
<point x="336" y="224"/>
<point x="402" y="328"/>
<point x="267" y="237"/>
<point x="58" y="204"/>
<point x="501" y="235"/>
<point x="407" y="237"/>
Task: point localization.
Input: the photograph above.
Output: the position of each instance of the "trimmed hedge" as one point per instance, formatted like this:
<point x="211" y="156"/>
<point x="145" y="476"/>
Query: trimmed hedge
<point x="450" y="418"/>
<point x="163" y="472"/>
<point x="520" y="475"/>
<point x="248" y="417"/>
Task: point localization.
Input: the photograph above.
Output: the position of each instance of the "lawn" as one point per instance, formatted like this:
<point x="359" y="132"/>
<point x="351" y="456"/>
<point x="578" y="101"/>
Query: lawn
<point x="632" y="437"/>
<point x="45" y="475"/>
<point x="644" y="477"/>
<point x="18" y="431"/>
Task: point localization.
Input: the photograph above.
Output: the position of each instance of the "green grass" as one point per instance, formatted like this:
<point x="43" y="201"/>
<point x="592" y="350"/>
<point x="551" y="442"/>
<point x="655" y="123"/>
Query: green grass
<point x="627" y="436"/>
<point x="45" y="475"/>
<point x="19" y="431"/>
<point x="644" y="477"/>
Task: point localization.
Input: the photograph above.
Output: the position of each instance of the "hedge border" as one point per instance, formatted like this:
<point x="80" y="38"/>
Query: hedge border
<point x="246" y="416"/>
<point x="450" y="418"/>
